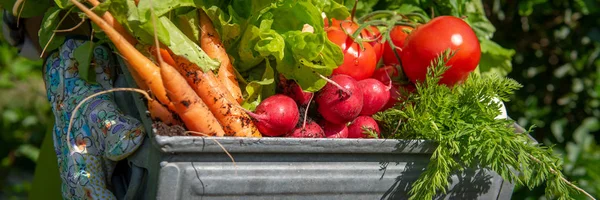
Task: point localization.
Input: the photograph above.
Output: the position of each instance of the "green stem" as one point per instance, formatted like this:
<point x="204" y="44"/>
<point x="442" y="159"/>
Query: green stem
<point x="419" y="15"/>
<point x="363" y="26"/>
<point x="377" y="14"/>
<point x="412" y="25"/>
<point x="388" y="39"/>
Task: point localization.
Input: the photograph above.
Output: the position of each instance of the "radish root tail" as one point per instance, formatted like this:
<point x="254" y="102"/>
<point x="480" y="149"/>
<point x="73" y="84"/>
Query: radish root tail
<point x="336" y="85"/>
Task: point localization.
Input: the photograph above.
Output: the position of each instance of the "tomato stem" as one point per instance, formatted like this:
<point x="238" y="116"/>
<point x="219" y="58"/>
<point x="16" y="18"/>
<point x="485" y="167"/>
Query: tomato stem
<point x="419" y="15"/>
<point x="377" y="14"/>
<point x="412" y="25"/>
<point x="394" y="47"/>
<point x="365" y="25"/>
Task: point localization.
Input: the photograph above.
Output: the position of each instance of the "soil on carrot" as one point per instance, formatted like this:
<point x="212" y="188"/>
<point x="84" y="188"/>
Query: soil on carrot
<point x="166" y="130"/>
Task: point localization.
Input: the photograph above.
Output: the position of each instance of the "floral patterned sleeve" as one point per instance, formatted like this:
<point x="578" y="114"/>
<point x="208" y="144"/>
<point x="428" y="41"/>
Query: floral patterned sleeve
<point x="101" y="134"/>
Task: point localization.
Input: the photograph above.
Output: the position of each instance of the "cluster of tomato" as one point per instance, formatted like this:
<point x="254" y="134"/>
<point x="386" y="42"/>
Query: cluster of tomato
<point x="413" y="50"/>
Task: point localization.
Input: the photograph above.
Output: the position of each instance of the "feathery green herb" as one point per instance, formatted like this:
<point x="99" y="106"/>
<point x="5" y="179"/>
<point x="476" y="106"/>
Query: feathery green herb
<point x="462" y="120"/>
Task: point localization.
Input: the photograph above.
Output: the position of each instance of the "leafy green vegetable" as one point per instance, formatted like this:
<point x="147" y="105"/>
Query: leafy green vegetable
<point x="462" y="121"/>
<point x="160" y="8"/>
<point x="138" y="20"/>
<point x="332" y="9"/>
<point x="227" y="24"/>
<point x="275" y="33"/>
<point x="181" y="45"/>
<point x="261" y="88"/>
<point x="126" y="13"/>
<point x="495" y="59"/>
<point x="83" y="55"/>
<point x="50" y="22"/>
<point x="189" y="24"/>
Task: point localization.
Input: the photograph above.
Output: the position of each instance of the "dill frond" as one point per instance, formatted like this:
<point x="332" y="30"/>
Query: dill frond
<point x="462" y="121"/>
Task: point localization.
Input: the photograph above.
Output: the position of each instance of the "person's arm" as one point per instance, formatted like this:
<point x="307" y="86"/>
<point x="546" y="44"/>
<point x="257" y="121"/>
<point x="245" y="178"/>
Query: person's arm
<point x="101" y="134"/>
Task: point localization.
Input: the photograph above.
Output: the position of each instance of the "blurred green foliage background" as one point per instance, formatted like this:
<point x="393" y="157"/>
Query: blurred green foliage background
<point x="557" y="44"/>
<point x="25" y="119"/>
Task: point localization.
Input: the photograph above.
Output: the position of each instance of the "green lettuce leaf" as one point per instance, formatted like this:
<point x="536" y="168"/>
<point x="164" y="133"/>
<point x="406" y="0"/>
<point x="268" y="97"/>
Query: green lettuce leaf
<point x="258" y="43"/>
<point x="332" y="8"/>
<point x="275" y="33"/>
<point x="228" y="25"/>
<point x="262" y="87"/>
<point x="189" y="23"/>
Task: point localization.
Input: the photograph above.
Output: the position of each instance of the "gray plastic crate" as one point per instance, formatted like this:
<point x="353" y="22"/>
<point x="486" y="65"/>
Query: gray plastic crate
<point x="188" y="167"/>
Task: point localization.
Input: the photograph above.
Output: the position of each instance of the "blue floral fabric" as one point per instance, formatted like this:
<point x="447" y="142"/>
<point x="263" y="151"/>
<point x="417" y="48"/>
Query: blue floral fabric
<point x="100" y="134"/>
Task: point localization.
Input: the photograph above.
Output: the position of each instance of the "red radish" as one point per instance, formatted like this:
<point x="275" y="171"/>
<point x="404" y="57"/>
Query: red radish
<point x="334" y="130"/>
<point x="276" y="115"/>
<point x="385" y="73"/>
<point x="294" y="91"/>
<point x="396" y="94"/>
<point x="311" y="130"/>
<point x="356" y="128"/>
<point x="375" y="95"/>
<point x="341" y="100"/>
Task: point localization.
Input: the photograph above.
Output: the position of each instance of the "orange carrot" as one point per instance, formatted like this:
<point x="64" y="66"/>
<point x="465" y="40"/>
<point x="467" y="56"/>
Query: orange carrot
<point x="159" y="112"/>
<point x="115" y="24"/>
<point x="235" y="121"/>
<point x="164" y="54"/>
<point x="192" y="110"/>
<point x="148" y="71"/>
<point x="211" y="44"/>
<point x="119" y="28"/>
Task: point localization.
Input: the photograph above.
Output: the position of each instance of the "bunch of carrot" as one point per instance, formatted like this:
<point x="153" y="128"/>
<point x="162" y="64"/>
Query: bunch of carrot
<point x="207" y="104"/>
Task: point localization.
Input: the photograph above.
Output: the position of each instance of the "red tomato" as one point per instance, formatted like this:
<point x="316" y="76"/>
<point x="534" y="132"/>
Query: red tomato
<point x="346" y="24"/>
<point x="398" y="36"/>
<point x="369" y="33"/>
<point x="426" y="42"/>
<point x="358" y="63"/>
<point x="372" y="33"/>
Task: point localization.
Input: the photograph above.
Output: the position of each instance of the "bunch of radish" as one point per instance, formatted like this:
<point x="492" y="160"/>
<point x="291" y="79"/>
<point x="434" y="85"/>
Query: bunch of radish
<point x="341" y="109"/>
